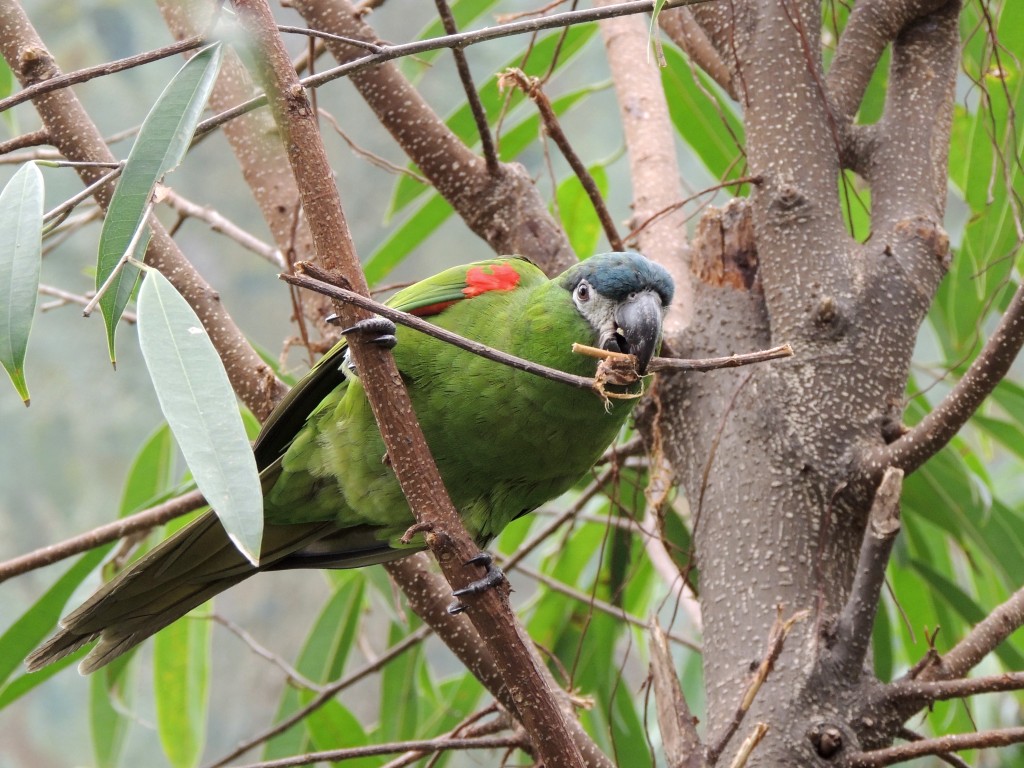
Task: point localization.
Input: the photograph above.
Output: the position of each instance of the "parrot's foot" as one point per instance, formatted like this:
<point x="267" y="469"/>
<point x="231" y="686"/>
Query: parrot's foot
<point x="491" y="579"/>
<point x="375" y="330"/>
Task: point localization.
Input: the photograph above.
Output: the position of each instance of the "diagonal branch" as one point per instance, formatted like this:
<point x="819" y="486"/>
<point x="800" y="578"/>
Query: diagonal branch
<point x="479" y="115"/>
<point x="76" y="137"/>
<point x="683" y="747"/>
<point x="853" y="628"/>
<point x="873" y="24"/>
<point x="926" y="691"/>
<point x="940" y="426"/>
<point x="531" y="86"/>
<point x="906" y="752"/>
<point x="413" y="465"/>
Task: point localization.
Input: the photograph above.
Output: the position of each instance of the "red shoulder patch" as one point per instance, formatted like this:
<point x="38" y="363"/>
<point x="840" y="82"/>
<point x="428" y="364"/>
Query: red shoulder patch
<point x="500" y="278"/>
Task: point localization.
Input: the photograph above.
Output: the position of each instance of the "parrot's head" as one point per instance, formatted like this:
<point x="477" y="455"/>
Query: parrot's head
<point x="624" y="297"/>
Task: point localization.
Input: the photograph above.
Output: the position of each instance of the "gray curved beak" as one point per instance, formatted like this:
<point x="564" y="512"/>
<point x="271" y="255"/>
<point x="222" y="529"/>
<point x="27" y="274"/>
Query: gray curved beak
<point x="638" y="327"/>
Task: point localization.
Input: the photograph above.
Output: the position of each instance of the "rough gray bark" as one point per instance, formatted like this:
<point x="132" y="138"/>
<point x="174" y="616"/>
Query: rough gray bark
<point x="773" y="459"/>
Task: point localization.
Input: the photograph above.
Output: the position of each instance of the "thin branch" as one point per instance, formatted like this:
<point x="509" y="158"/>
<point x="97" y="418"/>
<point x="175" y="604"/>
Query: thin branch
<point x="684" y="31"/>
<point x="67" y="297"/>
<point x="220" y="223"/>
<point x="425" y="745"/>
<point x="129" y="252"/>
<point x="461" y="40"/>
<point x="937" y="428"/>
<point x="30" y="139"/>
<point x="924" y="692"/>
<point x="596" y="603"/>
<point x="683" y="365"/>
<point x="370" y="157"/>
<point x="60" y="213"/>
<point x="100" y="70"/>
<point x="984" y="638"/>
<point x="118" y="529"/>
<point x="308" y="276"/>
<point x="291" y="673"/>
<point x="531" y="86"/>
<point x="953" y="743"/>
<point x="908" y="735"/>
<point x="366" y="45"/>
<point x="328" y="692"/>
<point x="857" y="618"/>
<point x="683" y="747"/>
<point x="414" y="467"/>
<point x="776" y="641"/>
<point x="473" y="98"/>
<point x="749" y="744"/>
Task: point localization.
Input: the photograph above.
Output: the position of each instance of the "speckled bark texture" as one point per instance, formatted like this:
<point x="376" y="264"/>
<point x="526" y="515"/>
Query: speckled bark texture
<point x="773" y="458"/>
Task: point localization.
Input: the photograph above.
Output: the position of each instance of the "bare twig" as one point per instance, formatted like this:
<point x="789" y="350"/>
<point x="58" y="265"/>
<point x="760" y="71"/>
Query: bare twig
<point x="749" y="744"/>
<point x="953" y="743"/>
<point x="908" y="735"/>
<point x="942" y="690"/>
<point x="461" y="39"/>
<point x="473" y="98"/>
<point x="328" y="692"/>
<point x="129" y="252"/>
<point x="596" y="603"/>
<point x="220" y="223"/>
<point x="118" y="529"/>
<point x="366" y="45"/>
<point x="681" y="364"/>
<point x="776" y="640"/>
<point x="30" y="139"/>
<point x="425" y="745"/>
<point x="61" y="212"/>
<point x="100" y="70"/>
<point x="853" y="629"/>
<point x="308" y="276"/>
<point x="937" y="428"/>
<point x="262" y="651"/>
<point x="67" y="297"/>
<point x="683" y="747"/>
<point x="531" y="86"/>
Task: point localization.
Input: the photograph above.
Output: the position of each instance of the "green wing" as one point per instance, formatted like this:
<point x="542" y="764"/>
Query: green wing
<point x="427" y="298"/>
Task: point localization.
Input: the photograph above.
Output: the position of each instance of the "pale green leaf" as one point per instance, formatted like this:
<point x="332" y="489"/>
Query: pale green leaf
<point x="21" y="227"/>
<point x="181" y="677"/>
<point x="109" y="693"/>
<point x="163" y="139"/>
<point x="199" y="404"/>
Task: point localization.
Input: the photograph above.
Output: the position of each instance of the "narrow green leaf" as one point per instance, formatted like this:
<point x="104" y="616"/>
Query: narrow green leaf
<point x="109" y="690"/>
<point x="199" y="404"/>
<point x="163" y="139"/>
<point x="333" y="726"/>
<point x="461" y="121"/>
<point x="181" y="677"/>
<point x="322" y="658"/>
<point x="21" y="239"/>
<point x="577" y="211"/>
<point x="150" y="473"/>
<point x="41" y="619"/>
<point x="407" y="238"/>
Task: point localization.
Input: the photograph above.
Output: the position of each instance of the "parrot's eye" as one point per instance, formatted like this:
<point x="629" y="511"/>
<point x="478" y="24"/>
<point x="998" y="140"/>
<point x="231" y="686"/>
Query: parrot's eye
<point x="583" y="291"/>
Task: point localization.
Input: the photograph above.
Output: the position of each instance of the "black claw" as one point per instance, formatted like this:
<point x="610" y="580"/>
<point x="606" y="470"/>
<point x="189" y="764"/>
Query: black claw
<point x="333" y="319"/>
<point x="378" y="330"/>
<point x="494" y="577"/>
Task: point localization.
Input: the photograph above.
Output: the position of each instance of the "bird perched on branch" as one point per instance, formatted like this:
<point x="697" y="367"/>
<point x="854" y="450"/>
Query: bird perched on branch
<point x="505" y="441"/>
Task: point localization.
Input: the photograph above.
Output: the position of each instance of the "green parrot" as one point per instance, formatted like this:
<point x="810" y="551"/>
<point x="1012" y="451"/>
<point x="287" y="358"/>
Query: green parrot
<point x="505" y="441"/>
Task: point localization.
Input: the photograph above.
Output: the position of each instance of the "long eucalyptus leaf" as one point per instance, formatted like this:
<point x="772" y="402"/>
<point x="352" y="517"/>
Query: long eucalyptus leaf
<point x="199" y="404"/>
<point x="163" y="139"/>
<point x="21" y="227"/>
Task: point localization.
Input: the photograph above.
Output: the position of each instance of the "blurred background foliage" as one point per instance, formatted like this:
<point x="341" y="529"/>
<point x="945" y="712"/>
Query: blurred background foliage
<point x="93" y="443"/>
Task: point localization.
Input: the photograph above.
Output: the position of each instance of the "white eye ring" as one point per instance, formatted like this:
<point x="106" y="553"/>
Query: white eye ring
<point x="583" y="291"/>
